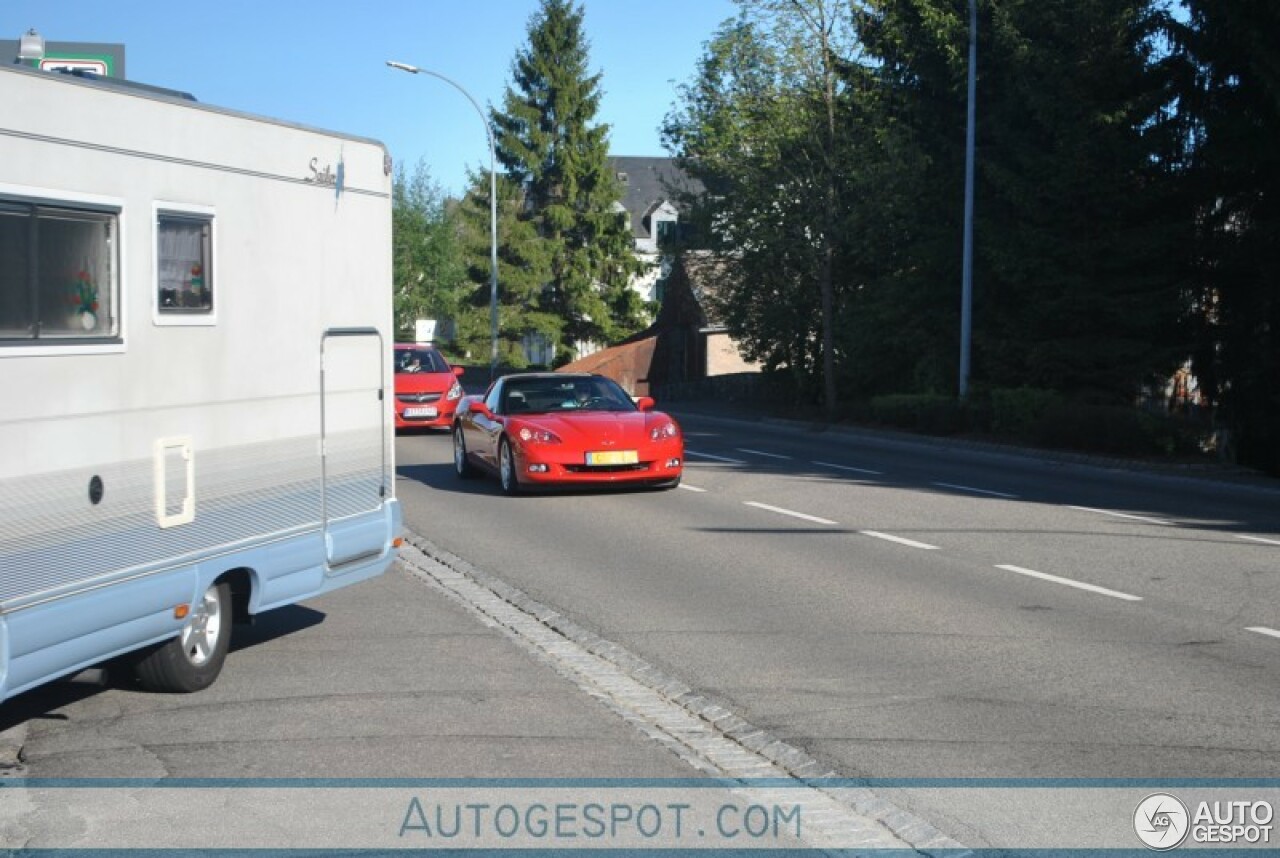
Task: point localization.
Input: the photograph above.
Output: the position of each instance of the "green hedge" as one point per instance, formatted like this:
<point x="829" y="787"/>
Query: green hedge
<point x="1113" y="429"/>
<point x="921" y="412"/>
<point x="1018" y="412"/>
<point x="1040" y="417"/>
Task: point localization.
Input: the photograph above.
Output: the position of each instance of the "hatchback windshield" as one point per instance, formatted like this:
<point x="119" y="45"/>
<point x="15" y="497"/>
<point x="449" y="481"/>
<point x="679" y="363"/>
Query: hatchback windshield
<point x="420" y="360"/>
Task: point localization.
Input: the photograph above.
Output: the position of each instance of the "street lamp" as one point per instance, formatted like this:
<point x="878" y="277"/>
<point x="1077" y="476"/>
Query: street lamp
<point x="493" y="212"/>
<point x="966" y="299"/>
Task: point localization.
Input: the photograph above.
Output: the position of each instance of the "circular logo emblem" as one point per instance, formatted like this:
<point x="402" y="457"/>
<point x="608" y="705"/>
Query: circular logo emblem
<point x="1161" y="821"/>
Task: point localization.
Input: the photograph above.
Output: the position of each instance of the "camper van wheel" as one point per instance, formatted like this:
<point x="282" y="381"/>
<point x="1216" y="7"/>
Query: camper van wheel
<point x="192" y="660"/>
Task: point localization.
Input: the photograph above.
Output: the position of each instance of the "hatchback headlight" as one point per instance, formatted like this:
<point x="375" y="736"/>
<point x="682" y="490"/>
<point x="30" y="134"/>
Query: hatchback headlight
<point x="455" y="392"/>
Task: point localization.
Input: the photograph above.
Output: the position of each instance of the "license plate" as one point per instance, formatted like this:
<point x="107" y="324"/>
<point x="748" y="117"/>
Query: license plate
<point x="613" y="457"/>
<point x="429" y="411"/>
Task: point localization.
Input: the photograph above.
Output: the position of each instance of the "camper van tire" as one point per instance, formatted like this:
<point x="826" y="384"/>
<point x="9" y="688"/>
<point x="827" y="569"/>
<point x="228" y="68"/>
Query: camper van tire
<point x="192" y="660"/>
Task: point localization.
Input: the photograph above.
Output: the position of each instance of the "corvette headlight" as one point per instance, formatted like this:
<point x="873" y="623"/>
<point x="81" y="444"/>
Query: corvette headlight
<point x="534" y="435"/>
<point x="664" y="432"/>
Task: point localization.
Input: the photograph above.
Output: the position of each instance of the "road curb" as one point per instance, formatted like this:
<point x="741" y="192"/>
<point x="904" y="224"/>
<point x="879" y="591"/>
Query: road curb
<point x="720" y="736"/>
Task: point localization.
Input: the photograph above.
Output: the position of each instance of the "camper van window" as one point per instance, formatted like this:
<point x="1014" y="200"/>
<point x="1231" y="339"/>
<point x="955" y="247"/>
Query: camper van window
<point x="58" y="271"/>
<point x="185" y="245"/>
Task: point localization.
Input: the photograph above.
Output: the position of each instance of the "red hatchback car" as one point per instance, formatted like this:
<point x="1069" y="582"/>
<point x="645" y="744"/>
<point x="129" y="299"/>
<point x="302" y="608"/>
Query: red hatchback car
<point x="427" y="388"/>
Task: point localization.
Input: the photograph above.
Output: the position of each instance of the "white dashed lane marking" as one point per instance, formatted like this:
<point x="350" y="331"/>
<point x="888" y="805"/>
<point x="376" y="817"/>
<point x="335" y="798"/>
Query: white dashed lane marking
<point x="761" y="453"/>
<point x="976" y="491"/>
<point x="1263" y="630"/>
<point x="713" y="458"/>
<point x="1067" y="582"/>
<point x="1263" y="540"/>
<point x="849" y="468"/>
<point x="789" y="512"/>
<point x="888" y="537"/>
<point x="1126" y="515"/>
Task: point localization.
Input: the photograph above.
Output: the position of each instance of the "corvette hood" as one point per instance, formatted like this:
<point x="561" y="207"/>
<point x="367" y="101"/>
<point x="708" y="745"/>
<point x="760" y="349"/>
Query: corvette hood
<point x="596" y="429"/>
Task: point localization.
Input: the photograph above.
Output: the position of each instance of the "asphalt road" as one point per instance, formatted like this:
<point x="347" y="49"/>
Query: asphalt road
<point x="915" y="611"/>
<point x="892" y="609"/>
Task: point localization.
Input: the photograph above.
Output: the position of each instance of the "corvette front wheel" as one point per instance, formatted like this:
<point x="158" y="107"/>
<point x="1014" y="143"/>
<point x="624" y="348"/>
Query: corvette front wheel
<point x="507" y="473"/>
<point x="461" y="466"/>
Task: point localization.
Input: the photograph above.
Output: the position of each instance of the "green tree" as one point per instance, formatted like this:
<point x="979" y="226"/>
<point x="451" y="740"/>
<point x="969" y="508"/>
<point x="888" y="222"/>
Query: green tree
<point x="561" y="188"/>
<point x="760" y="127"/>
<point x="1085" y="232"/>
<point x="1232" y="93"/>
<point x="900" y="323"/>
<point x="830" y="138"/>
<point x="524" y="265"/>
<point x="428" y="268"/>
<point x="1078" y="223"/>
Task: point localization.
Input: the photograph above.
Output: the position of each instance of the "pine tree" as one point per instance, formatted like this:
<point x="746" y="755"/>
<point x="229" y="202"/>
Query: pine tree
<point x="555" y="157"/>
<point x="1084" y="236"/>
<point x="1233" y="95"/>
<point x="1079" y="234"/>
<point x="524" y="263"/>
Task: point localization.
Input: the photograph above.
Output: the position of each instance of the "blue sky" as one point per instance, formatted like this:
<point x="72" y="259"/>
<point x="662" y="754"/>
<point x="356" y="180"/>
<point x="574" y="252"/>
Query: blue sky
<point x="322" y="63"/>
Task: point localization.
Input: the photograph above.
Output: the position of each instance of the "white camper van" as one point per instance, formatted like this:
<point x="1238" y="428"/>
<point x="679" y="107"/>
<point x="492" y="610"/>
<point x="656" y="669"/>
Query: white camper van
<point x="195" y="318"/>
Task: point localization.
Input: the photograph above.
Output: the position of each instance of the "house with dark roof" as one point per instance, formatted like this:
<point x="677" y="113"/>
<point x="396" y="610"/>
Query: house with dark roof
<point x="652" y="189"/>
<point x="687" y="340"/>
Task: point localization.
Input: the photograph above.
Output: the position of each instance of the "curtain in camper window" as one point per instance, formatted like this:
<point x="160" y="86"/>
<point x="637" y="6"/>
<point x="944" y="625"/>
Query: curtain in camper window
<point x="184" y="248"/>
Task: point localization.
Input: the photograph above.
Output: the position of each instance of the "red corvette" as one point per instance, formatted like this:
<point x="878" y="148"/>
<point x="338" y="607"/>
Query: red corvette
<point x="542" y="429"/>
<point x="427" y="388"/>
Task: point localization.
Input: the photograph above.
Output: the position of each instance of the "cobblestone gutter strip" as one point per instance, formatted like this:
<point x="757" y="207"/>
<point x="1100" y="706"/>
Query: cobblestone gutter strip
<point x="709" y="737"/>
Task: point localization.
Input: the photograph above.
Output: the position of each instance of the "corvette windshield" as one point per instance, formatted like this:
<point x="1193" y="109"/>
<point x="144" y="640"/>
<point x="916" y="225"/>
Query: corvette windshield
<point x="543" y="395"/>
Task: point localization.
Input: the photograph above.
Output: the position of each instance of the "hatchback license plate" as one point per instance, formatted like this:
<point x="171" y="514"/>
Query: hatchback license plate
<point x="613" y="457"/>
<point x="429" y="411"/>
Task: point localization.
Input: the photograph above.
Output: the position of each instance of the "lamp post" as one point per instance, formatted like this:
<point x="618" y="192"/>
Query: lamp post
<point x="493" y="211"/>
<point x="966" y="300"/>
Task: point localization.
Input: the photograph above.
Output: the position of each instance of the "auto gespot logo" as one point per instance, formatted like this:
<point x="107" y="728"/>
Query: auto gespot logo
<point x="1162" y="822"/>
